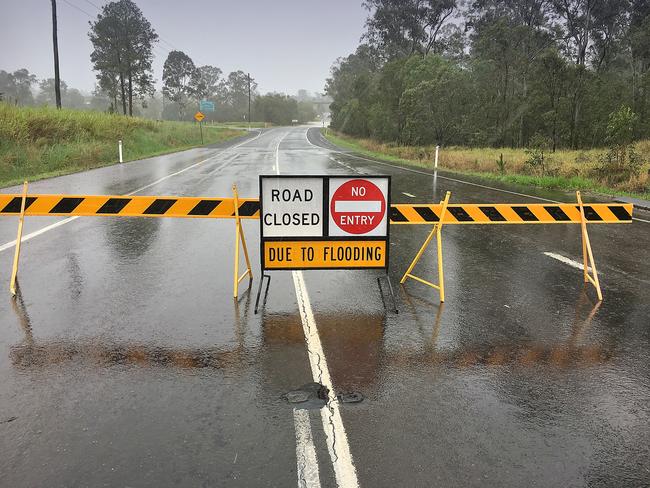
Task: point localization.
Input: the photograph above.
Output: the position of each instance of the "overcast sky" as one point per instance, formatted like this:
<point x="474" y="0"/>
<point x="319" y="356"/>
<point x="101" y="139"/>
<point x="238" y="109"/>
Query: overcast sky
<point x="285" y="44"/>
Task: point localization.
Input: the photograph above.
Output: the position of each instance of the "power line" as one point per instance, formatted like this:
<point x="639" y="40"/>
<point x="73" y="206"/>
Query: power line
<point x="78" y="8"/>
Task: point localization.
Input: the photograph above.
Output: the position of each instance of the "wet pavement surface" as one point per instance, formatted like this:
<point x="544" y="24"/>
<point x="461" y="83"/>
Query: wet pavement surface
<point x="125" y="361"/>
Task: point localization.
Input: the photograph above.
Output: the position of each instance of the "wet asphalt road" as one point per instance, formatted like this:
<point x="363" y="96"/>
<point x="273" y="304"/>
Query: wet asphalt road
<point x="125" y="362"/>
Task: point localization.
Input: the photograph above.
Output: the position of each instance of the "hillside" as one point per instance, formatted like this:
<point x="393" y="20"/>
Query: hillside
<point x="37" y="143"/>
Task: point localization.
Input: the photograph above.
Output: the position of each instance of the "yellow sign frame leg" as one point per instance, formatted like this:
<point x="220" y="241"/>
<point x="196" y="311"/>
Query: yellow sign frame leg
<point x="437" y="228"/>
<point x="587" y="254"/>
<point x="19" y="237"/>
<point x="239" y="236"/>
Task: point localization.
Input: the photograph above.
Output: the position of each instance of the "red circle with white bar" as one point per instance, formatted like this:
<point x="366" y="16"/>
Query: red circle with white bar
<point x="358" y="206"/>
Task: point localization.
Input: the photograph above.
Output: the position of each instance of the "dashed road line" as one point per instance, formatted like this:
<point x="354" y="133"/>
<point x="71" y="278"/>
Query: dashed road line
<point x="308" y="475"/>
<point x="565" y="260"/>
<point x="408" y="194"/>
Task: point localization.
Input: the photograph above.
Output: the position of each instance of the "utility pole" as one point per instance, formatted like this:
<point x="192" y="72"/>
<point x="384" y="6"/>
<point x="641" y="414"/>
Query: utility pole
<point x="249" y="100"/>
<point x="57" y="79"/>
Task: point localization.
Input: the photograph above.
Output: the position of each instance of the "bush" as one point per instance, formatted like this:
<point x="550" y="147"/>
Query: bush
<point x="538" y="162"/>
<point x="621" y="163"/>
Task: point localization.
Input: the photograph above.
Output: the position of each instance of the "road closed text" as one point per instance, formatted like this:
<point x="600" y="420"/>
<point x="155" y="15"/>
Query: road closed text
<point x="324" y="254"/>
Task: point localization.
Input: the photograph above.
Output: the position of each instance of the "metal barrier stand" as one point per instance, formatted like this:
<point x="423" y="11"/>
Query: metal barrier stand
<point x="239" y="235"/>
<point x="437" y="232"/>
<point x="587" y="254"/>
<point x="19" y="237"/>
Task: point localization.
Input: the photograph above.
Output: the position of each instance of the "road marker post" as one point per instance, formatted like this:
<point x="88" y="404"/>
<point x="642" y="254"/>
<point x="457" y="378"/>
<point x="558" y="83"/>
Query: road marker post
<point x="239" y="236"/>
<point x="437" y="228"/>
<point x="587" y="254"/>
<point x="21" y="220"/>
<point x="119" y="150"/>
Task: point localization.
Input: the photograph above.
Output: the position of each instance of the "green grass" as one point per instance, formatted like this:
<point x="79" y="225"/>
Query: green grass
<point x="42" y="142"/>
<point x="572" y="169"/>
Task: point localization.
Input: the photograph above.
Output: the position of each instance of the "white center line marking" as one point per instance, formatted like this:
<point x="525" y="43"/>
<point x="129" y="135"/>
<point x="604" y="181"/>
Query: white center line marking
<point x="565" y="260"/>
<point x="37" y="233"/>
<point x="337" y="439"/>
<point x="408" y="194"/>
<point x="308" y="475"/>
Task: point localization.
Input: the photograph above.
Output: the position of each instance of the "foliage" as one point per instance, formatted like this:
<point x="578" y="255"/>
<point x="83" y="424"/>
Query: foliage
<point x="276" y="108"/>
<point x="518" y="69"/>
<point x="16" y="87"/>
<point x="621" y="162"/>
<point x="501" y="164"/>
<point x="538" y="162"/>
<point x="181" y="80"/>
<point x="573" y="170"/>
<point x="41" y="142"/>
<point x="122" y="54"/>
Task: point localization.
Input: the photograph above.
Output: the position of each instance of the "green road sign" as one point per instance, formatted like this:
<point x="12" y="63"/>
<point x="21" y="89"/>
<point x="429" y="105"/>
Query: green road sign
<point x="206" y="106"/>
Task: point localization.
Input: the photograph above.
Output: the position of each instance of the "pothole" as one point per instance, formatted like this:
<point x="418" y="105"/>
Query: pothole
<point x="311" y="395"/>
<point x="315" y="395"/>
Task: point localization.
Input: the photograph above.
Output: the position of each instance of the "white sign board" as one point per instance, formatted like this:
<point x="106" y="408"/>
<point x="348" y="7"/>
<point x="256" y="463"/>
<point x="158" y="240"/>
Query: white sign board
<point x="292" y="206"/>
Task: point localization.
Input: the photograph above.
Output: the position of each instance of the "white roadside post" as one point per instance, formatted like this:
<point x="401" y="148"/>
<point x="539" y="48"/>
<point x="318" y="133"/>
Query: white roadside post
<point x="119" y="148"/>
<point x="435" y="171"/>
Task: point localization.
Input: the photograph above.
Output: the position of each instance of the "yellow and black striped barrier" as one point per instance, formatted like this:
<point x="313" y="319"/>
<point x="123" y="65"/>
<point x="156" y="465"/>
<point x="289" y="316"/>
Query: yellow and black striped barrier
<point x="237" y="208"/>
<point x="130" y="206"/>
<point x="249" y="208"/>
<point x="537" y="213"/>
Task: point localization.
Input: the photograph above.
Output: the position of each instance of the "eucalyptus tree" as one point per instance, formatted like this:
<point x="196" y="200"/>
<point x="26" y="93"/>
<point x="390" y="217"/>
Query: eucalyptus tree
<point x="123" y="41"/>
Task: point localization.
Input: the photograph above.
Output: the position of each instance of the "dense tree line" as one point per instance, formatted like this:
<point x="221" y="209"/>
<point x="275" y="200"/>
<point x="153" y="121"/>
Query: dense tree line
<point x="495" y="72"/>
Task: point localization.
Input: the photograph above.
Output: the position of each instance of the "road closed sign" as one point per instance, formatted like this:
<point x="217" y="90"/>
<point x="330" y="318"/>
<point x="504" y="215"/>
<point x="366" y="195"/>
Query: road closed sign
<point x="324" y="222"/>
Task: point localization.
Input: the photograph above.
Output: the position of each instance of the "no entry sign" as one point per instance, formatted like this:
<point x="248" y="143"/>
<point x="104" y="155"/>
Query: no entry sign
<point x="358" y="207"/>
<point x="324" y="222"/>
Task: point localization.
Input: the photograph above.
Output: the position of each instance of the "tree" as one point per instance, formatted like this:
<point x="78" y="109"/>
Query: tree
<point x="405" y="27"/>
<point x="210" y="82"/>
<point x="47" y="94"/>
<point x="236" y="93"/>
<point x="276" y="108"/>
<point x="306" y="112"/>
<point x="181" y="80"/>
<point x="16" y="87"/>
<point x="122" y="54"/>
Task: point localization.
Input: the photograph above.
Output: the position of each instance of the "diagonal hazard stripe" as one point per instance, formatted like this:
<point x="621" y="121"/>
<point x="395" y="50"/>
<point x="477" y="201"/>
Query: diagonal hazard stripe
<point x="66" y="205"/>
<point x="15" y="204"/>
<point x="113" y="205"/>
<point x="493" y="214"/>
<point x="396" y="216"/>
<point x="204" y="207"/>
<point x="427" y="214"/>
<point x="160" y="206"/>
<point x="249" y="208"/>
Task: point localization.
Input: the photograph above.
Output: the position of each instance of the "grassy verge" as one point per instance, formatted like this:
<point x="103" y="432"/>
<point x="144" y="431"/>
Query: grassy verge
<point x="572" y="169"/>
<point x="42" y="142"/>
